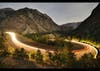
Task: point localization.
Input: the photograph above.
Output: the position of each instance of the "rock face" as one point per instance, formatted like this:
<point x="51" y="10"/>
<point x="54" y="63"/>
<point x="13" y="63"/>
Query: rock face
<point x="90" y="27"/>
<point x="27" y="20"/>
<point x="69" y="26"/>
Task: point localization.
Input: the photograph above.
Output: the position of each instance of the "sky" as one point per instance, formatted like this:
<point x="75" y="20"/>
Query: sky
<point x="61" y="13"/>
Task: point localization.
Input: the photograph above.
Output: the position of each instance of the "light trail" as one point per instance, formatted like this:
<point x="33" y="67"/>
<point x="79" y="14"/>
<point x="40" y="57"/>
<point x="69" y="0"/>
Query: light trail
<point x="87" y="49"/>
<point x="25" y="46"/>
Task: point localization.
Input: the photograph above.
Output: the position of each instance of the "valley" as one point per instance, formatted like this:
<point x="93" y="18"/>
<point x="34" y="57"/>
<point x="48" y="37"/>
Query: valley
<point x="30" y="38"/>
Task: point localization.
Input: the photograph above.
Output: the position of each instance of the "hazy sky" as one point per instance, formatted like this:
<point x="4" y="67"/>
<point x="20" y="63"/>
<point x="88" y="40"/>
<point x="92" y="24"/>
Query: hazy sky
<point x="61" y="13"/>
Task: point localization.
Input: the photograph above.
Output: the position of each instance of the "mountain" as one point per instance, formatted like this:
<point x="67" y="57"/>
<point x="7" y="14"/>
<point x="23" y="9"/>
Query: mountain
<point x="28" y="20"/>
<point x="90" y="28"/>
<point x="69" y="26"/>
<point x="5" y="12"/>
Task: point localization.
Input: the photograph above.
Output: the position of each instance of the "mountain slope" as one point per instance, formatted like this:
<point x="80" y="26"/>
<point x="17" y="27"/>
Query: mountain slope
<point x="90" y="28"/>
<point x="5" y="12"/>
<point x="27" y="20"/>
<point x="69" y="26"/>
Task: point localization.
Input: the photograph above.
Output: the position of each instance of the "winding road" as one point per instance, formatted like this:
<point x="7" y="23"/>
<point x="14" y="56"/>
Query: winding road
<point x="86" y="50"/>
<point x="78" y="53"/>
<point x="25" y="46"/>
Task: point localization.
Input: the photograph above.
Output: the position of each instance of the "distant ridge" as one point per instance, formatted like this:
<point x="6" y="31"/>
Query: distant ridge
<point x="69" y="26"/>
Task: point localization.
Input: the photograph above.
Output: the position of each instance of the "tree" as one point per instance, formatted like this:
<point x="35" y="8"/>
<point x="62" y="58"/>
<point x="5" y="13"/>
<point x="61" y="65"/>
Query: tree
<point x="20" y="53"/>
<point x="2" y="42"/>
<point x="4" y="53"/>
<point x="59" y="42"/>
<point x="39" y="56"/>
<point x="86" y="61"/>
<point x="33" y="56"/>
<point x="63" y="58"/>
<point x="50" y="56"/>
<point x="97" y="61"/>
